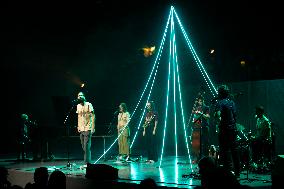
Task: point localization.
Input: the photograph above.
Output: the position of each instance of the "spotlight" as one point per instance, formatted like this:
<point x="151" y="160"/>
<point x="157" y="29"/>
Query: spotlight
<point x="82" y="85"/>
<point x="243" y="63"/>
<point x="212" y="51"/>
<point x="148" y="51"/>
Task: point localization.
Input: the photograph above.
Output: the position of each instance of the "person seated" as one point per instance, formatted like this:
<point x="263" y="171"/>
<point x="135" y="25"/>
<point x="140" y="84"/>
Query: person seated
<point x="57" y="179"/>
<point x="4" y="183"/>
<point x="40" y="179"/>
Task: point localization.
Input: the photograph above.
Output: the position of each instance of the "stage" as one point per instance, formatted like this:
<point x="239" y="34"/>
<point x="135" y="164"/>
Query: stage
<point x="174" y="173"/>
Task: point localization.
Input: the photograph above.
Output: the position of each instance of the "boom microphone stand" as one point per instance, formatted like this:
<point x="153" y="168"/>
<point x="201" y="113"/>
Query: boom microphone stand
<point x="69" y="166"/>
<point x="111" y="124"/>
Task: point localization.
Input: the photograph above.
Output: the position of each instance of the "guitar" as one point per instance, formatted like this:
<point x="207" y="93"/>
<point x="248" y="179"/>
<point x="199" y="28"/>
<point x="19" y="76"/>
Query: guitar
<point x="27" y="129"/>
<point x="147" y="123"/>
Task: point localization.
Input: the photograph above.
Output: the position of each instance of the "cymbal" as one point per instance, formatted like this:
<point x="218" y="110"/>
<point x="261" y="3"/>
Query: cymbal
<point x="240" y="127"/>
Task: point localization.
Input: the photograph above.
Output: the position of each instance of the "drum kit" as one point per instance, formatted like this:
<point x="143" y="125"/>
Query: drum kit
<point x="249" y="158"/>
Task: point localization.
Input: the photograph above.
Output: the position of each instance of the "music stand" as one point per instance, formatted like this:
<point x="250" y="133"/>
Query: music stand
<point x="110" y="130"/>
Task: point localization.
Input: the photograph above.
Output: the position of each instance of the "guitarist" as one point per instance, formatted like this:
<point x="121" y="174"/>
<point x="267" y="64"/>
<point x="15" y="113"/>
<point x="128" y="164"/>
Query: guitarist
<point x="149" y="132"/>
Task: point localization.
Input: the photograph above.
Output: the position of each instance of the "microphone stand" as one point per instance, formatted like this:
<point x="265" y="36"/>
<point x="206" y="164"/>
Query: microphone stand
<point x="110" y="127"/>
<point x="111" y="123"/>
<point x="69" y="166"/>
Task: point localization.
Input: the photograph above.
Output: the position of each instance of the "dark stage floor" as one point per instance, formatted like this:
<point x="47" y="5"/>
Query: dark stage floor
<point x="174" y="173"/>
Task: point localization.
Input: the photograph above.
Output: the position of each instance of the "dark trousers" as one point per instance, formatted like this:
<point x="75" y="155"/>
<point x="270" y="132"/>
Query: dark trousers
<point x="22" y="150"/>
<point x="229" y="150"/>
<point x="151" y="145"/>
<point x="86" y="140"/>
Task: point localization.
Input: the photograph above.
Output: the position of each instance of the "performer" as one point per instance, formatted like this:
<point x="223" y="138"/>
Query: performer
<point x="262" y="141"/>
<point x="86" y="125"/>
<point x="23" y="137"/>
<point x="200" y="129"/>
<point x="123" y="128"/>
<point x="149" y="132"/>
<point x="227" y="131"/>
<point x="26" y="138"/>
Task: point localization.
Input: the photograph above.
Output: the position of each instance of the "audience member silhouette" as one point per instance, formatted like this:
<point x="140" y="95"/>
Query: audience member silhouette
<point x="206" y="167"/>
<point x="4" y="183"/>
<point x="148" y="183"/>
<point x="213" y="176"/>
<point x="57" y="179"/>
<point x="277" y="173"/>
<point x="40" y="179"/>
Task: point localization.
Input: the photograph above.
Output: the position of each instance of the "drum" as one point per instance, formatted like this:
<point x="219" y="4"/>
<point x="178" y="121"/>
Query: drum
<point x="244" y="146"/>
<point x="261" y="150"/>
<point x="261" y="156"/>
<point x="242" y="139"/>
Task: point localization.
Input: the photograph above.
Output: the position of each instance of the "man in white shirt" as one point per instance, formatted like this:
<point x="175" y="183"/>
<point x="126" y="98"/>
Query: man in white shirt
<point x="86" y="125"/>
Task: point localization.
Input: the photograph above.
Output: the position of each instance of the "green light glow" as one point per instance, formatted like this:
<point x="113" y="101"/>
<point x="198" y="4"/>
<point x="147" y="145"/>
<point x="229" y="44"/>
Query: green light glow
<point x="144" y="109"/>
<point x="182" y="111"/>
<point x="167" y="102"/>
<point x="155" y="67"/>
<point x="197" y="60"/>
<point x="173" y="69"/>
<point x="174" y="83"/>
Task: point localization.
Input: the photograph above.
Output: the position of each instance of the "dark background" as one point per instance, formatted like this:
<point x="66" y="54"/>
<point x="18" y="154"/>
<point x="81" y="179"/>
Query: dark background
<point x="48" y="51"/>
